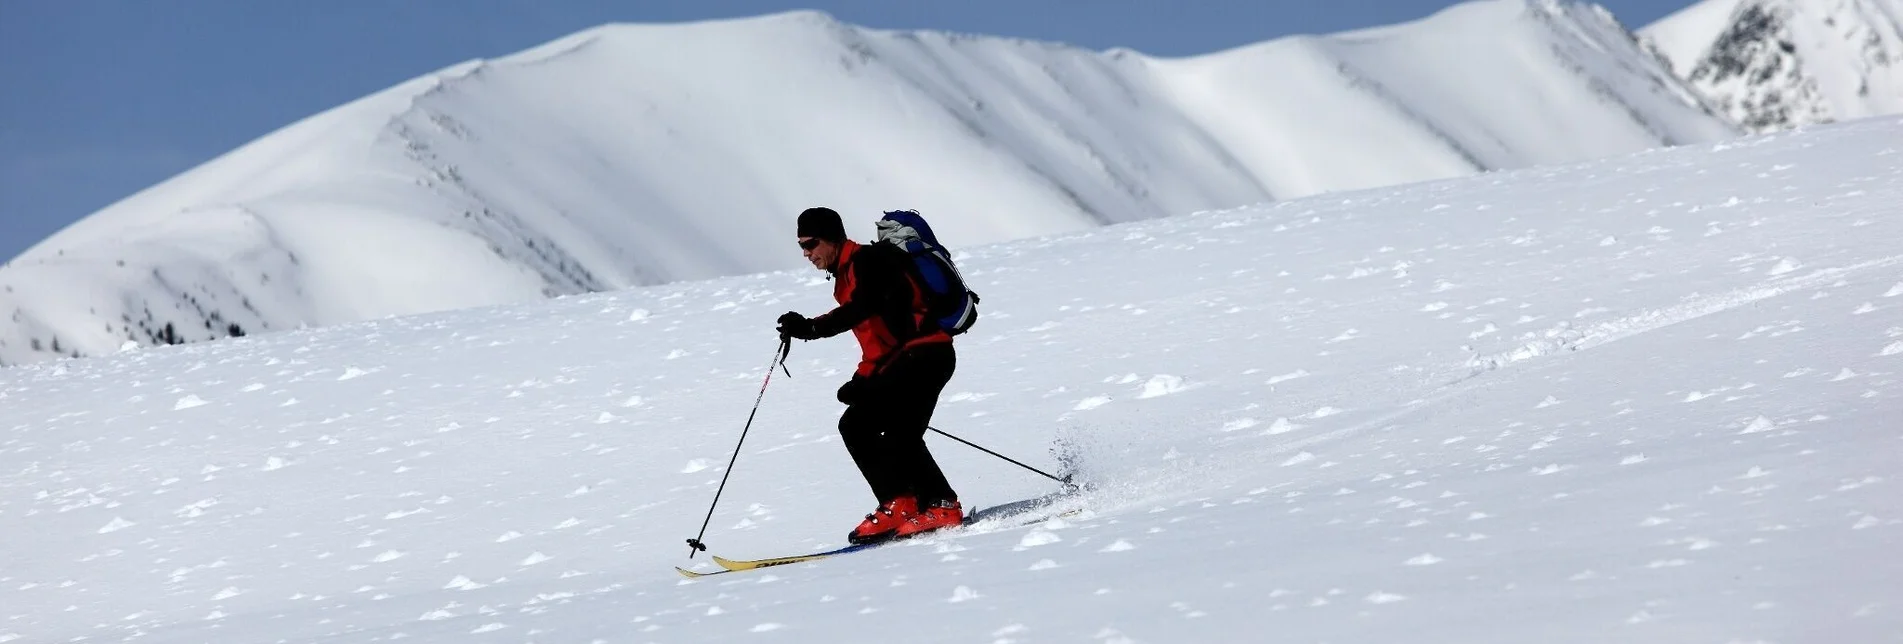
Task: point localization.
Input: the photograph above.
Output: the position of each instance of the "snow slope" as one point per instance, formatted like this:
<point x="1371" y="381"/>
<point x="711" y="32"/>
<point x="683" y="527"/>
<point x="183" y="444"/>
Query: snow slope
<point x="1774" y="64"/>
<point x="1652" y="398"/>
<point x="644" y="154"/>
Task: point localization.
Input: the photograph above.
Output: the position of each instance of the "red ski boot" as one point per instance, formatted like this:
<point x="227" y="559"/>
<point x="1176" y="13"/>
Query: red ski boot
<point x="941" y="514"/>
<point x="884" y="523"/>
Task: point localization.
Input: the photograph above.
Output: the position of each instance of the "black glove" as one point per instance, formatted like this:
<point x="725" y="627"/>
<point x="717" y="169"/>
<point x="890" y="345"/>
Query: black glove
<point x="854" y="390"/>
<point x="794" y="325"/>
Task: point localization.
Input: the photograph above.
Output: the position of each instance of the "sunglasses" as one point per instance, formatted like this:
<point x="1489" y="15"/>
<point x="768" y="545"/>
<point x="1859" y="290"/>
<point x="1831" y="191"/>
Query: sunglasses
<point x="809" y="244"/>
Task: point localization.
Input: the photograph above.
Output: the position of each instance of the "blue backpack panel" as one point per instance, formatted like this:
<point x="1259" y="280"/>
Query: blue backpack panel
<point x="952" y="304"/>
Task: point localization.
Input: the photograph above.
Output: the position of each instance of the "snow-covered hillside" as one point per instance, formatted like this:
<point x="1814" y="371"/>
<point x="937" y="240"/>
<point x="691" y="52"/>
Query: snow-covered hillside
<point x="1653" y="398"/>
<point x="645" y="154"/>
<point x="1774" y="64"/>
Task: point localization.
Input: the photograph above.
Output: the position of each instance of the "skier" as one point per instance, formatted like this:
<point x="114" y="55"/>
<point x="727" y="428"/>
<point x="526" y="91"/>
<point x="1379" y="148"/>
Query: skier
<point x="906" y="361"/>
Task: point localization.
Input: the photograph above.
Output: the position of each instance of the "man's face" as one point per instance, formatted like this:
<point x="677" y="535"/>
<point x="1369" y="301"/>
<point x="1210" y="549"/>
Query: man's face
<point x="820" y="252"/>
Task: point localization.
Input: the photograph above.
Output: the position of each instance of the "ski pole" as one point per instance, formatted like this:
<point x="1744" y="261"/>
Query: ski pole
<point x="779" y="356"/>
<point x="1064" y="480"/>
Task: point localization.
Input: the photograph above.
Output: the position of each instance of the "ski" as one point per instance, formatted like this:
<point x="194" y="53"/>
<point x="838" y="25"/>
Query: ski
<point x="736" y="565"/>
<point x="749" y="564"/>
<point x="987" y="515"/>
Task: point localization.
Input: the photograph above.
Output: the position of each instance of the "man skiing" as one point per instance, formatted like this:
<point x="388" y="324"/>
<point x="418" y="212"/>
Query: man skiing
<point x="906" y="361"/>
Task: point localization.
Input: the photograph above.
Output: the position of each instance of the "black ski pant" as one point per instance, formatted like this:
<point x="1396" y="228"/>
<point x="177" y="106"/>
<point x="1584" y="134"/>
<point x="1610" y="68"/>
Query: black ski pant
<point x="885" y="420"/>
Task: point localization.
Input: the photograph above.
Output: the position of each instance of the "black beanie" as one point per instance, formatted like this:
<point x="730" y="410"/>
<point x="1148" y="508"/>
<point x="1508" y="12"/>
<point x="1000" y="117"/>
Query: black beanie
<point x="822" y="223"/>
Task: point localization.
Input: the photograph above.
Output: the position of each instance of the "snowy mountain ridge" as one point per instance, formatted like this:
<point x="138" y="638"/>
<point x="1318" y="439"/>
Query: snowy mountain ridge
<point x="643" y="154"/>
<point x="1648" y="399"/>
<point x="1769" y="65"/>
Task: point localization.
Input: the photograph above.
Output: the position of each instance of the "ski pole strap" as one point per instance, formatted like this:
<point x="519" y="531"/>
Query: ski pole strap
<point x="786" y="348"/>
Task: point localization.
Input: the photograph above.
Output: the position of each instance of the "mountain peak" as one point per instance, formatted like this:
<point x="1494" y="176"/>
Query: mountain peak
<point x="1768" y="65"/>
<point x="642" y="154"/>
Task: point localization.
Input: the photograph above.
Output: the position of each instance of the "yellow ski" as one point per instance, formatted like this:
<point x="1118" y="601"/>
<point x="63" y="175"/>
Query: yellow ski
<point x="750" y="564"/>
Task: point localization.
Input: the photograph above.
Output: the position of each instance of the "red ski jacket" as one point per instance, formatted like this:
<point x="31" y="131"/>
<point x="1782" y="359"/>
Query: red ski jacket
<point x="880" y="302"/>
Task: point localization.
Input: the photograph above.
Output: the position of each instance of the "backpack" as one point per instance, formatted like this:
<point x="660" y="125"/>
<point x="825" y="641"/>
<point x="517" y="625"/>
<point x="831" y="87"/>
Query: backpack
<point x="949" y="301"/>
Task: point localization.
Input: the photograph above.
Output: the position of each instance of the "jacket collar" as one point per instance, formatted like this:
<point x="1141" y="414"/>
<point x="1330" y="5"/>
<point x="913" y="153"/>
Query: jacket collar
<point x="847" y="249"/>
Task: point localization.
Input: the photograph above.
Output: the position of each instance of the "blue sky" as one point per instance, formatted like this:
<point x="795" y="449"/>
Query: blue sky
<point x="99" y="99"/>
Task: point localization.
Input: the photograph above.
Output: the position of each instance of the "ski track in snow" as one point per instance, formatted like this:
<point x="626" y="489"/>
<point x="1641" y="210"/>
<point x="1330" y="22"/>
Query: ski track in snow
<point x="1359" y="417"/>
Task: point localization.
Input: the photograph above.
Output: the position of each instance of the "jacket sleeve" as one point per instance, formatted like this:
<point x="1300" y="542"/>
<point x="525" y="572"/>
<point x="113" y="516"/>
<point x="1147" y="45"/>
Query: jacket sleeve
<point x="876" y="283"/>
